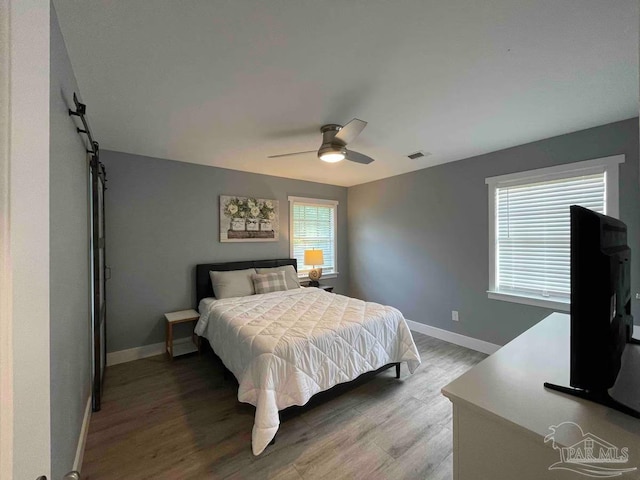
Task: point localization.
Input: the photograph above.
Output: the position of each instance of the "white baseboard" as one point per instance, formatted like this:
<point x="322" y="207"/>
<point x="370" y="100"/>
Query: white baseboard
<point x="131" y="354"/>
<point x="82" y="439"/>
<point x="455" y="338"/>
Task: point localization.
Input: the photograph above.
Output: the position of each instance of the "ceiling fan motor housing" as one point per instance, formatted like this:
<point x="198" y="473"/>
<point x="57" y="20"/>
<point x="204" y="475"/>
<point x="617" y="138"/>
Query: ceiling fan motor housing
<point x="330" y="144"/>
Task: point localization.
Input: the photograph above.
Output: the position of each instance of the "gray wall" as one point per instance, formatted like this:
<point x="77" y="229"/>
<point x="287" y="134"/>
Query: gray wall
<point x="69" y="265"/>
<point x="162" y="220"/>
<point x="419" y="241"/>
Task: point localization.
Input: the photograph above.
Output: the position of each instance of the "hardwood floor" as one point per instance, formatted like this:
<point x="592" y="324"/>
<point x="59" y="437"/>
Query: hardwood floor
<point x="182" y="420"/>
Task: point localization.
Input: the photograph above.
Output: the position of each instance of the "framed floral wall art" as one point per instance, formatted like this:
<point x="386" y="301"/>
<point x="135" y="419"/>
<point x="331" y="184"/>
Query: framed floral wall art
<point x="248" y="219"/>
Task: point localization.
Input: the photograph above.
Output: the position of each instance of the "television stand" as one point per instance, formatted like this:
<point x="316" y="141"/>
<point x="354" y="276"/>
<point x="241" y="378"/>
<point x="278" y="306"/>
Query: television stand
<point x="502" y="413"/>
<point x="601" y="397"/>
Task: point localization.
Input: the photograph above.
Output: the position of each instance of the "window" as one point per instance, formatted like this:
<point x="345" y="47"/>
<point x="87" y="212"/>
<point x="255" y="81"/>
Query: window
<point x="314" y="226"/>
<point x="529" y="227"/>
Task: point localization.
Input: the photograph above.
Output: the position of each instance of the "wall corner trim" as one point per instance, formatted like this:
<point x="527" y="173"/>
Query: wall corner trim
<point x="455" y="338"/>
<point x="136" y="353"/>
<point x="82" y="438"/>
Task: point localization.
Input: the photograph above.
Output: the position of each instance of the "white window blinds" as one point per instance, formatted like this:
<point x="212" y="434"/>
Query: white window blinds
<point x="533" y="232"/>
<point x="313" y="227"/>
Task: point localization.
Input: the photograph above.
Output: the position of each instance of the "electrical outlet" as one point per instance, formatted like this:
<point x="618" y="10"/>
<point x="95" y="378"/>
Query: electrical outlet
<point x="638" y="296"/>
<point x="454" y="315"/>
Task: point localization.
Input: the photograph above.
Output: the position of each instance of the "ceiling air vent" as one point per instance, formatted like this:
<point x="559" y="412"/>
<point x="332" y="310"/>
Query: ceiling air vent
<point x="417" y="155"/>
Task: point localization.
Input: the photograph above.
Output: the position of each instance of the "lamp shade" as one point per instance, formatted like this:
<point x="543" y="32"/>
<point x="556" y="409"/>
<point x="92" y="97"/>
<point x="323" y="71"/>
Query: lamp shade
<point x="313" y="257"/>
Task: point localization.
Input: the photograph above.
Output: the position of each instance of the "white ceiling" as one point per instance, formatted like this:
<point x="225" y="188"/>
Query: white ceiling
<point x="227" y="83"/>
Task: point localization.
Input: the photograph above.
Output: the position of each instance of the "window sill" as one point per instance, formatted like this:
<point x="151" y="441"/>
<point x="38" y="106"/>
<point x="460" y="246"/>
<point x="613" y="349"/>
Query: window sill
<point x="553" y="303"/>
<point x="328" y="275"/>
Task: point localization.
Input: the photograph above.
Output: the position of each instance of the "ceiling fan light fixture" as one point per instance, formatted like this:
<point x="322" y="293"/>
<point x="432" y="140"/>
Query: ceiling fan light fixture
<point x="332" y="153"/>
<point x="332" y="157"/>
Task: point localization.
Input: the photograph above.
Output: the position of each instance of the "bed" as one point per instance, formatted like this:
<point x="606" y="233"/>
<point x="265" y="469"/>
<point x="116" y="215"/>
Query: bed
<point x="284" y="347"/>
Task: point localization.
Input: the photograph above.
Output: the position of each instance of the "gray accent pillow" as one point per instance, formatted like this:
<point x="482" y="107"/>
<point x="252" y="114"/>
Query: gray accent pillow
<point x="269" y="282"/>
<point x="290" y="275"/>
<point x="234" y="283"/>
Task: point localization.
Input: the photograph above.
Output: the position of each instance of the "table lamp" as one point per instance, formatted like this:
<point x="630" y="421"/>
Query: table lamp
<point x="313" y="258"/>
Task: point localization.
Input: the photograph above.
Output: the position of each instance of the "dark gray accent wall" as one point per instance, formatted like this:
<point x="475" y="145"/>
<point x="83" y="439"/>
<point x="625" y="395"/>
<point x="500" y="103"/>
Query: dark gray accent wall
<point x="69" y="265"/>
<point x="419" y="241"/>
<point x="162" y="219"/>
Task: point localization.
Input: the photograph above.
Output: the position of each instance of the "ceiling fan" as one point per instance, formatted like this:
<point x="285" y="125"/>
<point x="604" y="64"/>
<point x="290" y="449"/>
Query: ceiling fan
<point x="335" y="139"/>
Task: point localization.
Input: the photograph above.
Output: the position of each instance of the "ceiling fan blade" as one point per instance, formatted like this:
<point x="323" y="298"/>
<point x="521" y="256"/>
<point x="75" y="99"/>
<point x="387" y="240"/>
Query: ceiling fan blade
<point x="351" y="130"/>
<point x="358" y="157"/>
<point x="291" y="154"/>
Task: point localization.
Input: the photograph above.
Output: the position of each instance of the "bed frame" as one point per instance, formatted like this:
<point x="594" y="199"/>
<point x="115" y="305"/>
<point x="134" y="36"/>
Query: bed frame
<point x="203" y="281"/>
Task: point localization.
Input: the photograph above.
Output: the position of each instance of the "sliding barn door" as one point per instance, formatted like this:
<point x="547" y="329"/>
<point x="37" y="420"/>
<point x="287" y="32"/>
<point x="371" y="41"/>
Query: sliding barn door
<point x="99" y="304"/>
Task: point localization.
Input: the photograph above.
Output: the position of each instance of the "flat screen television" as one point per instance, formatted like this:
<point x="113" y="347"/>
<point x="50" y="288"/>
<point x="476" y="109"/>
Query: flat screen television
<point x="601" y="321"/>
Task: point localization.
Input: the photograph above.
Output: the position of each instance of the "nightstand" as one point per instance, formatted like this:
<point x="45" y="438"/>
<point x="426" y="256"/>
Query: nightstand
<point x="173" y="318"/>
<point x="326" y="288"/>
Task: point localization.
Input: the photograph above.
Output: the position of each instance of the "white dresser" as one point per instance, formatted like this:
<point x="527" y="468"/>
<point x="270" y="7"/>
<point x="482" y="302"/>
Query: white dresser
<point x="502" y="413"/>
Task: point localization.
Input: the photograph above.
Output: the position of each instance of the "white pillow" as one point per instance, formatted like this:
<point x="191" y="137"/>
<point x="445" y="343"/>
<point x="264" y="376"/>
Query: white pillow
<point x="234" y="283"/>
<point x="290" y="275"/>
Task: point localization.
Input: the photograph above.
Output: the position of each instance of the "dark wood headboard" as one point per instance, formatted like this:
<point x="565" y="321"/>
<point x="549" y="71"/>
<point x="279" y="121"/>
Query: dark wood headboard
<point x="203" y="281"/>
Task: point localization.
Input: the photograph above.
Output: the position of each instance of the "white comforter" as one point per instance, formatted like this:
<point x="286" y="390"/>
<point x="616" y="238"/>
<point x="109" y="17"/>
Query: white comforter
<point x="284" y="347"/>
